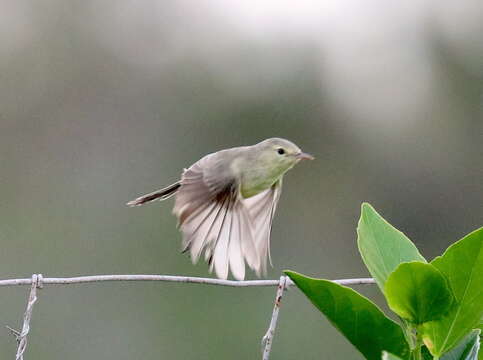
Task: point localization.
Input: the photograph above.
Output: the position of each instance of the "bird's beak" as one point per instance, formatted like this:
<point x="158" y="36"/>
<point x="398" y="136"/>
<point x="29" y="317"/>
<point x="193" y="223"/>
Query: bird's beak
<point x="304" y="156"/>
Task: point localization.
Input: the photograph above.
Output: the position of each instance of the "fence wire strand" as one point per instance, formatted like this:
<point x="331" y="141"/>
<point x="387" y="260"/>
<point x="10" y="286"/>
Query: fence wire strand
<point x="167" y="278"/>
<point x="37" y="281"/>
<point x="21" y="336"/>
<point x="268" y="337"/>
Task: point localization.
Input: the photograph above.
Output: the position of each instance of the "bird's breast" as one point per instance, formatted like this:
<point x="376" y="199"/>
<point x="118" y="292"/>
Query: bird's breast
<point x="256" y="180"/>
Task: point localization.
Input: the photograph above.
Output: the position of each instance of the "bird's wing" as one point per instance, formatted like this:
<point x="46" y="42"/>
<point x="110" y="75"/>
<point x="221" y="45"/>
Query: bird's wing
<point x="214" y="219"/>
<point x="261" y="208"/>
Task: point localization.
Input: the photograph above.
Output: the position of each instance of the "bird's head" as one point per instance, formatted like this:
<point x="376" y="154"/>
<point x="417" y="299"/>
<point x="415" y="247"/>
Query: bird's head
<point x="281" y="154"/>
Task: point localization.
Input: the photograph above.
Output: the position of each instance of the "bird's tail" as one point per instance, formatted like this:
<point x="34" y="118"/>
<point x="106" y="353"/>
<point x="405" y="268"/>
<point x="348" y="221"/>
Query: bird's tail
<point x="161" y="194"/>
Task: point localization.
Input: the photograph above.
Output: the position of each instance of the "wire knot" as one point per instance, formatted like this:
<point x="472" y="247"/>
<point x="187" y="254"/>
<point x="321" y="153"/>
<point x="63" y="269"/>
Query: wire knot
<point x="38" y="280"/>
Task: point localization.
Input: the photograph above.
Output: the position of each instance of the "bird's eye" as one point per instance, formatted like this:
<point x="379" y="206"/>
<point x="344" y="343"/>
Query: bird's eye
<point x="281" y="151"/>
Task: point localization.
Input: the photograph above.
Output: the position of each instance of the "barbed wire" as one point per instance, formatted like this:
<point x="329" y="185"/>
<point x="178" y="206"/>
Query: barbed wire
<point x="167" y="278"/>
<point x="268" y="337"/>
<point x="21" y="336"/>
<point x="37" y="281"/>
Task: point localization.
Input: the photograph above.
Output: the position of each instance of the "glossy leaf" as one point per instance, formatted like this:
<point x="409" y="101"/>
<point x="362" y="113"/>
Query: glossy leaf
<point x="462" y="265"/>
<point x="467" y="349"/>
<point x="426" y="355"/>
<point x="389" y="356"/>
<point x="418" y="292"/>
<point x="355" y="316"/>
<point x="480" y="353"/>
<point x="382" y="246"/>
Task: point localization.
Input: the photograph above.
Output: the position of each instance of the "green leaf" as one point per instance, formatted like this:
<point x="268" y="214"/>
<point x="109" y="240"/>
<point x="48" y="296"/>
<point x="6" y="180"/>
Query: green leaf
<point x="355" y="316"/>
<point x="418" y="292"/>
<point x="389" y="356"/>
<point x="480" y="353"/>
<point x="462" y="265"/>
<point x="426" y="355"/>
<point x="382" y="246"/>
<point x="467" y="349"/>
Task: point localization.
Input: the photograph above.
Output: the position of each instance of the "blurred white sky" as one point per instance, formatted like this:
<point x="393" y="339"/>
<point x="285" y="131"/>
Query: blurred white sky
<point x="373" y="57"/>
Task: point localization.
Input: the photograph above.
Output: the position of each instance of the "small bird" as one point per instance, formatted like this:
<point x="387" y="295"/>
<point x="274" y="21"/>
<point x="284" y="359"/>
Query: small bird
<point x="225" y="203"/>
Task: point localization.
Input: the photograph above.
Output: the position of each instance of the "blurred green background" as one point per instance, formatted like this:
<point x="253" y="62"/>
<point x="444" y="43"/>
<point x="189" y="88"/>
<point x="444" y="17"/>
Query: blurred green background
<point x="101" y="101"/>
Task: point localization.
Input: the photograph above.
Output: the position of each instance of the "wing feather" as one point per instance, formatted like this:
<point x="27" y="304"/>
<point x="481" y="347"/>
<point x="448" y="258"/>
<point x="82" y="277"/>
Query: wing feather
<point x="261" y="208"/>
<point x="198" y="241"/>
<point x="248" y="246"/>
<point x="220" y="252"/>
<point x="214" y="219"/>
<point x="235" y="254"/>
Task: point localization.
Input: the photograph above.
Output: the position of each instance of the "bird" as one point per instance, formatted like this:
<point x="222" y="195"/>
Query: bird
<point x="225" y="204"/>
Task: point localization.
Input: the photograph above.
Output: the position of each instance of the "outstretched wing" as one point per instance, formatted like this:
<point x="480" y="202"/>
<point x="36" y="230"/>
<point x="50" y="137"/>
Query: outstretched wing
<point x="214" y="219"/>
<point x="261" y="208"/>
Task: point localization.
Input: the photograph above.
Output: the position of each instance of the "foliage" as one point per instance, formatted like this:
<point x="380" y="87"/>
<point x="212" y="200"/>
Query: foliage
<point x="438" y="303"/>
<point x="382" y="246"/>
<point x="467" y="349"/>
<point x="462" y="264"/>
<point x="352" y="314"/>
<point x="418" y="292"/>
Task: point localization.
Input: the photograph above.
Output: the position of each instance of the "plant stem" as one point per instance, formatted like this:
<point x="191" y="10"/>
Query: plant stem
<point x="417" y="353"/>
<point x="408" y="333"/>
<point x="419" y="344"/>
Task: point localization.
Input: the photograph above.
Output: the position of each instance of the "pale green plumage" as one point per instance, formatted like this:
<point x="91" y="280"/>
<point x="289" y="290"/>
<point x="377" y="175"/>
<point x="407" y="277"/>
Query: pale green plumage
<point x="225" y="204"/>
<point x="260" y="166"/>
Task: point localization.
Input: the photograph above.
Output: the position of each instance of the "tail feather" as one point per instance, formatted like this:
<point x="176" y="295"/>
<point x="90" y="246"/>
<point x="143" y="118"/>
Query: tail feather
<point x="161" y="194"/>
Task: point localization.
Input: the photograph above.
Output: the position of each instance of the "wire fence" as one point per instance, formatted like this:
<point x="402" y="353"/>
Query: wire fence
<point x="37" y="281"/>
